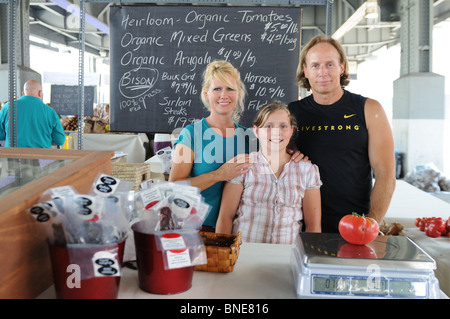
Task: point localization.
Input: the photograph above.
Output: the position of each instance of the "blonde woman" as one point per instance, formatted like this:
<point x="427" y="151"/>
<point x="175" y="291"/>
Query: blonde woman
<point x="213" y="150"/>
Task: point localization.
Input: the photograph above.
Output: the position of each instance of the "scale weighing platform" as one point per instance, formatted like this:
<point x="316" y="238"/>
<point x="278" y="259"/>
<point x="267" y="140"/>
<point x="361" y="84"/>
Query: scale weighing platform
<point x="326" y="266"/>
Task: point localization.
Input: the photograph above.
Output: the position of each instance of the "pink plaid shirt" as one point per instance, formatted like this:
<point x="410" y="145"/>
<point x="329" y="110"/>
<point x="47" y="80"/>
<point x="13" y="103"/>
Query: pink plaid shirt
<point x="270" y="210"/>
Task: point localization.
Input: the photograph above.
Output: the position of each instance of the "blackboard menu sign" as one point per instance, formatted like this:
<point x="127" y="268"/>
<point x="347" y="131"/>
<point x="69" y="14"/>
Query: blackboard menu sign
<point x="159" y="53"/>
<point x="64" y="99"/>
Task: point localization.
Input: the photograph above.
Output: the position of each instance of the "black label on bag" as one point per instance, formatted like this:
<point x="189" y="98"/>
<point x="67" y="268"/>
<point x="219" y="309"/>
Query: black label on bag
<point x="181" y="203"/>
<point x="43" y="217"/>
<point x="108" y="180"/>
<point x="105" y="264"/>
<point x="36" y="210"/>
<point x="104" y="188"/>
<point x="83" y="201"/>
<point x="107" y="271"/>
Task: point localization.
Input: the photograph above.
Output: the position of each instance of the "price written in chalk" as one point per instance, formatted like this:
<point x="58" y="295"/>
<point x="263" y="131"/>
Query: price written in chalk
<point x="273" y="92"/>
<point x="180" y="122"/>
<point x="184" y="87"/>
<point x="273" y="34"/>
<point x="246" y="57"/>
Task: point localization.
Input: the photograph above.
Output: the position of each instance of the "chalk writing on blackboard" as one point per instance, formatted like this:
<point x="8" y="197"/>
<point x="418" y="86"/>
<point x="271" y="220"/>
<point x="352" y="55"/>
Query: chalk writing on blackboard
<point x="64" y="99"/>
<point x="158" y="54"/>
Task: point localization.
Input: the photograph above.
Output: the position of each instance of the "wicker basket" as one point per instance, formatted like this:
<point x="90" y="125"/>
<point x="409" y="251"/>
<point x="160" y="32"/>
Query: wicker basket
<point x="132" y="172"/>
<point x="222" y="251"/>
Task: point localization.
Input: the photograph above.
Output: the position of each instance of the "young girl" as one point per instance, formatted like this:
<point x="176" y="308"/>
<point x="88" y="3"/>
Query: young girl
<point x="269" y="202"/>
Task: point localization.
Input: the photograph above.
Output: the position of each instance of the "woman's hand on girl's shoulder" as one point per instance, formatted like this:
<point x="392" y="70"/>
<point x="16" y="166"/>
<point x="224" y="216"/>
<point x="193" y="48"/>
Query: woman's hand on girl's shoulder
<point x="234" y="167"/>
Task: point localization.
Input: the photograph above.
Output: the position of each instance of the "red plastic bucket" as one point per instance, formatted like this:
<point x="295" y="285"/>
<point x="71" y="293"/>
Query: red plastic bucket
<point x="153" y="277"/>
<point x="63" y="260"/>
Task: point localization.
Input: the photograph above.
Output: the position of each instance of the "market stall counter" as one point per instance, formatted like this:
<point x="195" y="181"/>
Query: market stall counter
<point x="263" y="271"/>
<point x="131" y="144"/>
<point x="409" y="203"/>
<point x="438" y="249"/>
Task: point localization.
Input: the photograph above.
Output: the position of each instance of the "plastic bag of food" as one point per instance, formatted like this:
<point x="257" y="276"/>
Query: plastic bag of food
<point x="173" y="214"/>
<point x="149" y="197"/>
<point x="96" y="220"/>
<point x="180" y="249"/>
<point x="444" y="183"/>
<point x="50" y="213"/>
<point x="72" y="218"/>
<point x="424" y="177"/>
<point x="165" y="157"/>
<point x="177" y="206"/>
<point x="50" y="218"/>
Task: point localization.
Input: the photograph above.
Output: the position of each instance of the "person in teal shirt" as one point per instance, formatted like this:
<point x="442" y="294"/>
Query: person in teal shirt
<point x="38" y="125"/>
<point x="215" y="149"/>
<point x="211" y="150"/>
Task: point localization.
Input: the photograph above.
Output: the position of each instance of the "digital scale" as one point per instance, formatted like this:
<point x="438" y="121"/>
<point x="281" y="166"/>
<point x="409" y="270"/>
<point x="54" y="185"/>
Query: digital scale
<point x="326" y="266"/>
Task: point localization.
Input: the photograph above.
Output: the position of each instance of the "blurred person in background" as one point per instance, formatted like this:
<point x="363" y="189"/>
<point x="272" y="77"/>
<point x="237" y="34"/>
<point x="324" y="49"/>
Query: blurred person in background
<point x="38" y="125"/>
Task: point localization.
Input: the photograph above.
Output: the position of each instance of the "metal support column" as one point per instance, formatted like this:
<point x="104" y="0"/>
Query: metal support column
<point x="416" y="36"/>
<point x="12" y="34"/>
<point x="81" y="46"/>
<point x="329" y="26"/>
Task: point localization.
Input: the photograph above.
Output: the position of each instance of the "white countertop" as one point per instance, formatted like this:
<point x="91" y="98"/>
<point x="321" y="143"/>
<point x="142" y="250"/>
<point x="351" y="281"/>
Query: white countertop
<point x="262" y="271"/>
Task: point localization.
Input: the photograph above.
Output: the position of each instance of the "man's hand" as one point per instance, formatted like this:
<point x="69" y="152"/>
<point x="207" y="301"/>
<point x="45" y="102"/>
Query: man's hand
<point x="297" y="156"/>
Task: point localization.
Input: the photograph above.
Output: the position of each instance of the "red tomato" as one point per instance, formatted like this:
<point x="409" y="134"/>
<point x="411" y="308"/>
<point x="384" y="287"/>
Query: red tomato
<point x="435" y="227"/>
<point x="358" y="230"/>
<point x="419" y="222"/>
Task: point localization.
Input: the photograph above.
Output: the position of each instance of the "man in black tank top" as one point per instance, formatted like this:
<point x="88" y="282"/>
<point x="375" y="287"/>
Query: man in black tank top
<point x="348" y="136"/>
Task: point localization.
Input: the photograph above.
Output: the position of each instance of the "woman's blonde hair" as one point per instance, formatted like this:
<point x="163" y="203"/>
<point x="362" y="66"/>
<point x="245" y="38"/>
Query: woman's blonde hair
<point x="220" y="70"/>
<point x="301" y="78"/>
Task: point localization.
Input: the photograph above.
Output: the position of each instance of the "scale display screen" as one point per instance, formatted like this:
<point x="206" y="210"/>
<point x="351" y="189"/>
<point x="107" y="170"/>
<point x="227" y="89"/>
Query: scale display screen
<point x="365" y="286"/>
<point x="337" y="285"/>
